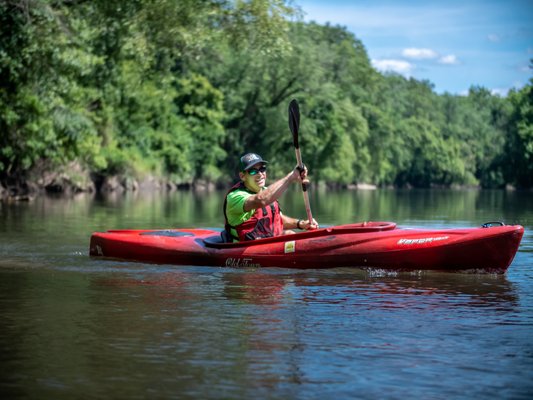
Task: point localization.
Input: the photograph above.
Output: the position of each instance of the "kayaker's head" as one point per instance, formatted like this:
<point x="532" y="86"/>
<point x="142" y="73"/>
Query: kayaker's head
<point x="253" y="171"/>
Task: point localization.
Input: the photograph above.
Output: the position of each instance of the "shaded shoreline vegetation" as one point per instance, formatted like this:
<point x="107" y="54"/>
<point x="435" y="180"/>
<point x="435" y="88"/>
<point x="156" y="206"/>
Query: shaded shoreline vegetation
<point x="110" y="95"/>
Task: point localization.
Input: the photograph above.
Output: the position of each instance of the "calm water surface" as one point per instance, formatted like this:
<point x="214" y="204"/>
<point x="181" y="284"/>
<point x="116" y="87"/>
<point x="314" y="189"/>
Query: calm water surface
<point x="74" y="327"/>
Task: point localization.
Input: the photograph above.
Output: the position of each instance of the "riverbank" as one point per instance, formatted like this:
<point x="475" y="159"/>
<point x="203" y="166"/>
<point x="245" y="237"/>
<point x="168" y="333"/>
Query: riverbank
<point x="73" y="179"/>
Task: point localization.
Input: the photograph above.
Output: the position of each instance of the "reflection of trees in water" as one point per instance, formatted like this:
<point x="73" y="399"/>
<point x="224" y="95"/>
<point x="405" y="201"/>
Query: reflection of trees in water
<point x="460" y="207"/>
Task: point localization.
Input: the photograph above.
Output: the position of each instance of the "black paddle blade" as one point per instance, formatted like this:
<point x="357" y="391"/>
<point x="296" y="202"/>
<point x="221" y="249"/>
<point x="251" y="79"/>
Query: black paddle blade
<point x="294" y="121"/>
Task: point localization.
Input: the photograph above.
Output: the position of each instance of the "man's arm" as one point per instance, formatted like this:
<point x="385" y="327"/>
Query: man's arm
<point x="273" y="191"/>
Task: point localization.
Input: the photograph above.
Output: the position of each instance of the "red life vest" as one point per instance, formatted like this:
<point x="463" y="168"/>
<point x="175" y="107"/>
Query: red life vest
<point x="265" y="222"/>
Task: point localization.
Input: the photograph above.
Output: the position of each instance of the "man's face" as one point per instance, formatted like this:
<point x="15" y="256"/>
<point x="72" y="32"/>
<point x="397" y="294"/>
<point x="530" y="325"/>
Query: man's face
<point x="255" y="177"/>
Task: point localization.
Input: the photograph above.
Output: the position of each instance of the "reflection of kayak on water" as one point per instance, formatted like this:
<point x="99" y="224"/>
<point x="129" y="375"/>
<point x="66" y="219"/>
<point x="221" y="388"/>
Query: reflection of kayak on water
<point x="390" y="289"/>
<point x="380" y="289"/>
<point x="369" y="244"/>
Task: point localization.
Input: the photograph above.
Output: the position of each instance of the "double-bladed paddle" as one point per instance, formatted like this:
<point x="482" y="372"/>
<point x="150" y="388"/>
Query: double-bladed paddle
<point x="294" y="125"/>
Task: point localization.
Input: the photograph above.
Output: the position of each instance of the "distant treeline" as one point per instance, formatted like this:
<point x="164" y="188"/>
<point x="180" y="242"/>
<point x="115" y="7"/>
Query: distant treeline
<point x="181" y="89"/>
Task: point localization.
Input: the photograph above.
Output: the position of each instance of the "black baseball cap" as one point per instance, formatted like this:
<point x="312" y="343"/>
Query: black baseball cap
<point x="249" y="160"/>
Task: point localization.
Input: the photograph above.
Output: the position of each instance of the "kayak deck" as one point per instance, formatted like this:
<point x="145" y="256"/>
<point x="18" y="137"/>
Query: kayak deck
<point x="364" y="227"/>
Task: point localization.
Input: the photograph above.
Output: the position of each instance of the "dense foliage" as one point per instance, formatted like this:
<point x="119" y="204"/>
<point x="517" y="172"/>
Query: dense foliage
<point x="180" y="89"/>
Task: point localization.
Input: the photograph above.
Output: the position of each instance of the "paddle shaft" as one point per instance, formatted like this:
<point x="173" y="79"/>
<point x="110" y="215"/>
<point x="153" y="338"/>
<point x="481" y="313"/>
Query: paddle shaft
<point x="294" y="125"/>
<point x="304" y="186"/>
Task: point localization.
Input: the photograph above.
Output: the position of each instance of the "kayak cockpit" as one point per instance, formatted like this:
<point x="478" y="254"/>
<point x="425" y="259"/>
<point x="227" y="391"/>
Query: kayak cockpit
<point x="217" y="242"/>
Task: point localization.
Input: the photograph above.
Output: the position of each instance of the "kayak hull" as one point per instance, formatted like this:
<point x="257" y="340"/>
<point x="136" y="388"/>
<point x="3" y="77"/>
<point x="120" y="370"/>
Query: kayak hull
<point x="366" y="245"/>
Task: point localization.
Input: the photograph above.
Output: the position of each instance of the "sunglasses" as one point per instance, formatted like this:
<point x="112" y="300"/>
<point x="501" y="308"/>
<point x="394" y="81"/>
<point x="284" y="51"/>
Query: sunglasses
<point x="254" y="171"/>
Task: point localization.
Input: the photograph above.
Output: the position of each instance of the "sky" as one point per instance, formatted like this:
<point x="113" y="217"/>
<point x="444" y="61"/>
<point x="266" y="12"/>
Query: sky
<point x="454" y="44"/>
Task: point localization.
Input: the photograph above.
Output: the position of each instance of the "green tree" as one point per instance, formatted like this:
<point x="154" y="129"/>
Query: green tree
<point x="519" y="145"/>
<point x="182" y="88"/>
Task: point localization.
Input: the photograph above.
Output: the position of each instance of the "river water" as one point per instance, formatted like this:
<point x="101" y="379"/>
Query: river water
<point x="72" y="327"/>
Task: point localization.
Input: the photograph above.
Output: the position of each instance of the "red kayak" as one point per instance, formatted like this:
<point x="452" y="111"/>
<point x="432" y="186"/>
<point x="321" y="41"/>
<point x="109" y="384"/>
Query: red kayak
<point x="369" y="245"/>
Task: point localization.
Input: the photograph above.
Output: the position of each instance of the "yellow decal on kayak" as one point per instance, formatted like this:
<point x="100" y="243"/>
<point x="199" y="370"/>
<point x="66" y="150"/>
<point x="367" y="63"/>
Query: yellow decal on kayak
<point x="290" y="247"/>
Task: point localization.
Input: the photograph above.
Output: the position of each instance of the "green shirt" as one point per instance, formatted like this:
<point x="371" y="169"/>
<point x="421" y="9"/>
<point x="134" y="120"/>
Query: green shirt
<point x="235" y="207"/>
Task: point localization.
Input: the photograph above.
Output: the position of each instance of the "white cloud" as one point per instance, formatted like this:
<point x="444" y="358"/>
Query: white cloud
<point x="450" y="59"/>
<point x="399" y="66"/>
<point x="494" y="38"/>
<point x="429" y="54"/>
<point x="500" y="92"/>
<point x="419" y="54"/>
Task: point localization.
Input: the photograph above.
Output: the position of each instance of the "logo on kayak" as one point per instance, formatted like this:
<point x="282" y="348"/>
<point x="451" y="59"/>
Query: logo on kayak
<point x="423" y="240"/>
<point x="290" y="247"/>
<point x="241" y="263"/>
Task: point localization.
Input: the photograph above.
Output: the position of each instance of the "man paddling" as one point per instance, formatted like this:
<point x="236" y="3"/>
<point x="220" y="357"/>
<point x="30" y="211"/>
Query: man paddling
<point x="252" y="210"/>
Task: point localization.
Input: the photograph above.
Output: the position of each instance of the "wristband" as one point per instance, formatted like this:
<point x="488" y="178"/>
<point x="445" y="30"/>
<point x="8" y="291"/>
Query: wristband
<point x="298" y="224"/>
